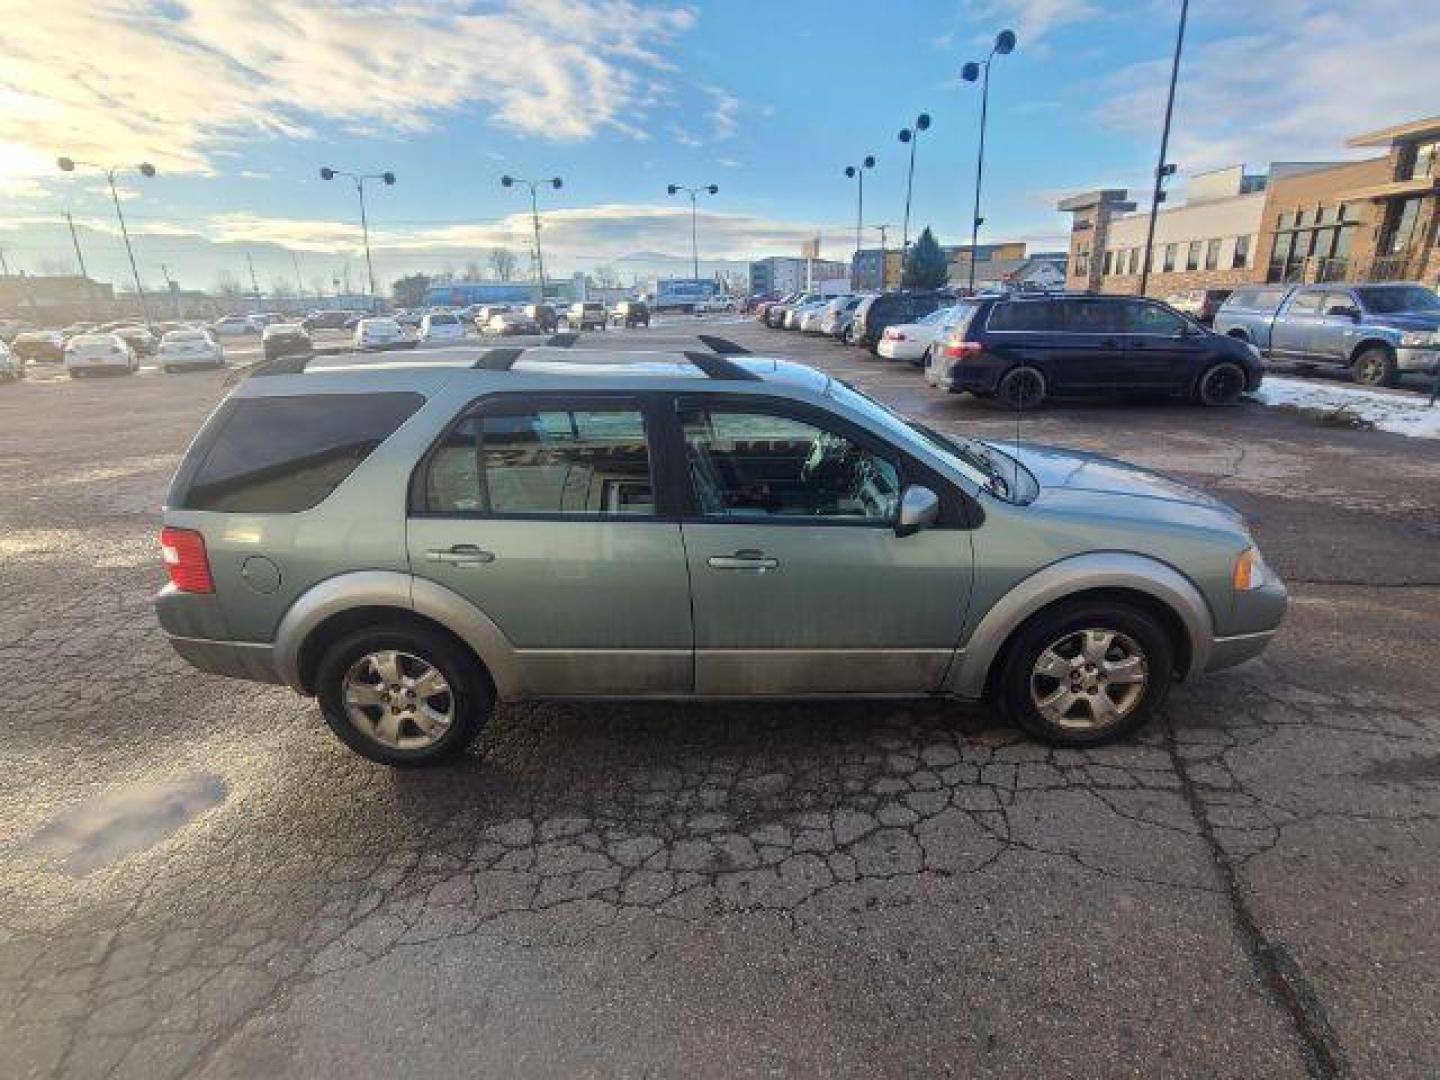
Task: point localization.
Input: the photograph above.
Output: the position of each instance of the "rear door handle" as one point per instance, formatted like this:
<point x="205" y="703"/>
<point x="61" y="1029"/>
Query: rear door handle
<point x="460" y="555"/>
<point x="749" y="559"/>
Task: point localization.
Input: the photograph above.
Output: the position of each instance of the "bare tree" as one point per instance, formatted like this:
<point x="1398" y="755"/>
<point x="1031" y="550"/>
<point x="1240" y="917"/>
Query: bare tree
<point x="281" y="289"/>
<point x="503" y="262"/>
<point x="473" y="271"/>
<point x="607" y="277"/>
<point x="228" y="285"/>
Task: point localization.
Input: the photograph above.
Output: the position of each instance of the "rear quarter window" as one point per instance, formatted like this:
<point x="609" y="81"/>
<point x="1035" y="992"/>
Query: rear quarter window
<point x="281" y="455"/>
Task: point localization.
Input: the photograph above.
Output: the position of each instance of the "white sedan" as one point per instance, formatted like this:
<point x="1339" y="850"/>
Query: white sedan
<point x="85" y="353"/>
<point x="189" y="348"/>
<point x="441" y="326"/>
<point x="373" y="333"/>
<point x="911" y="341"/>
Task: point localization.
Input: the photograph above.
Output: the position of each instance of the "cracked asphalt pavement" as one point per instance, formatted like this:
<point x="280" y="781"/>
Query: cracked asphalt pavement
<point x="198" y="880"/>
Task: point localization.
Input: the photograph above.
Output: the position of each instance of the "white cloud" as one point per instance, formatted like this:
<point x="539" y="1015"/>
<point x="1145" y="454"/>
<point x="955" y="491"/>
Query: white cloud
<point x="729" y="163"/>
<point x="177" y="82"/>
<point x="1291" y="85"/>
<point x="1032" y="20"/>
<point x="724" y="114"/>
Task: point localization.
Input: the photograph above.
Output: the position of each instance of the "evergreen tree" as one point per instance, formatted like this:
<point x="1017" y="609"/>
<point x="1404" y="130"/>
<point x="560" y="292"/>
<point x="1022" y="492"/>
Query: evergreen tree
<point x="925" y="265"/>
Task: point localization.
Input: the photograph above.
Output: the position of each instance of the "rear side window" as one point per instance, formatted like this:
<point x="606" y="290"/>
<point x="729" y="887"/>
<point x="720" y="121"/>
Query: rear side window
<point x="543" y="460"/>
<point x="1026" y="315"/>
<point x="1255" y="299"/>
<point x="280" y="455"/>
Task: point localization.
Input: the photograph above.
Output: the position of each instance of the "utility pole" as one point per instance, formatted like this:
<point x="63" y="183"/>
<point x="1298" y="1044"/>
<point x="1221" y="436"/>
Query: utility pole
<point x="4" y="266"/>
<point x="299" y="281"/>
<point x="1161" y="169"/>
<point x="75" y="239"/>
<point x="174" y="292"/>
<point x="254" y="284"/>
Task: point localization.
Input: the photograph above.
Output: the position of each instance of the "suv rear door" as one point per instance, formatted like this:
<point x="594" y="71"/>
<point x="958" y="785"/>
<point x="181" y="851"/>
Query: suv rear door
<point x="546" y="512"/>
<point x="799" y="583"/>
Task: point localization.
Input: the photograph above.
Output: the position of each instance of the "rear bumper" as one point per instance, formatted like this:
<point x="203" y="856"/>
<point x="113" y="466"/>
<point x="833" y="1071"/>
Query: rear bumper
<point x="234" y="659"/>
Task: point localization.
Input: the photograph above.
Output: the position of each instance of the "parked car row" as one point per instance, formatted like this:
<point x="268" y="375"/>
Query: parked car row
<point x="1018" y="349"/>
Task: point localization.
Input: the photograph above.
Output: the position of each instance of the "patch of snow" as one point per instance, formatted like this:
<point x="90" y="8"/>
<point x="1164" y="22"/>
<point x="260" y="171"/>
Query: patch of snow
<point x="1398" y="412"/>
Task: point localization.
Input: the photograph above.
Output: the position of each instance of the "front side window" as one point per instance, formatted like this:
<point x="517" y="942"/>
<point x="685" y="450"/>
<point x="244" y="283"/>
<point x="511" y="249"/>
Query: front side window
<point x="1092" y="316"/>
<point x="543" y="460"/>
<point x="1152" y="319"/>
<point x="758" y="464"/>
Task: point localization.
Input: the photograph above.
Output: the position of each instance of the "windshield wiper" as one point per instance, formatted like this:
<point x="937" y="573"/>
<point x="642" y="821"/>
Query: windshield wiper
<point x="975" y="453"/>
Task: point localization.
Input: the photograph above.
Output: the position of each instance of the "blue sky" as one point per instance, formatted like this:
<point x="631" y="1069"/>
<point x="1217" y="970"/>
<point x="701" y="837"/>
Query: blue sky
<point x="239" y="103"/>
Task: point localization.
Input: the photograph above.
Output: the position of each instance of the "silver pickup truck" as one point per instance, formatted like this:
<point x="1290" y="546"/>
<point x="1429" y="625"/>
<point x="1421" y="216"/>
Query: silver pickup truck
<point x="1377" y="331"/>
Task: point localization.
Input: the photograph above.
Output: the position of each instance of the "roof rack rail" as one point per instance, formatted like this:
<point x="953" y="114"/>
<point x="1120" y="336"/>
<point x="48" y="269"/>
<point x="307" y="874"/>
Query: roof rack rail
<point x="498" y="359"/>
<point x="562" y="341"/>
<point x="717" y="367"/>
<point x="722" y="346"/>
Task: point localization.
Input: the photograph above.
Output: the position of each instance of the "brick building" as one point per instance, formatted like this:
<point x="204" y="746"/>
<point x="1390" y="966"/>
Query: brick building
<point x="1369" y="220"/>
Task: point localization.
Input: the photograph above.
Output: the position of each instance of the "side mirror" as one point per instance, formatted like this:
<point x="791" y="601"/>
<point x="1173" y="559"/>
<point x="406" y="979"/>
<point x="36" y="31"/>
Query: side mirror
<point x="919" y="509"/>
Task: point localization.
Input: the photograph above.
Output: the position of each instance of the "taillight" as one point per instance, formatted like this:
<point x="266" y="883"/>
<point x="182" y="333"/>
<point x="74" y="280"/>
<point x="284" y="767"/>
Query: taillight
<point x="964" y="350"/>
<point x="183" y="553"/>
<point x="893" y="335"/>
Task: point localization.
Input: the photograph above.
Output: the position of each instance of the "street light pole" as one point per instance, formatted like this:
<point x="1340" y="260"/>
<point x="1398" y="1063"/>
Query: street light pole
<point x="327" y="173"/>
<point x="1161" y="169"/>
<point x="884" y="251"/>
<point x="1004" y="45"/>
<point x="857" y="173"/>
<point x="555" y="182"/>
<point x="704" y="189"/>
<point x="911" y="136"/>
<point x="146" y="170"/>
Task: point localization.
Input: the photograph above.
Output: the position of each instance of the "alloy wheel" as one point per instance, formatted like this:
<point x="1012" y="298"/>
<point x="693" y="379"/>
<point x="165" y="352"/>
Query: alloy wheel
<point x="399" y="700"/>
<point x="1089" y="679"/>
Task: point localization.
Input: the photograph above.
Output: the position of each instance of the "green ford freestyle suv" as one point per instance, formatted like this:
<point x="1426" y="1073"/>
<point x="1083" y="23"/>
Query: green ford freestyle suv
<point x="411" y="541"/>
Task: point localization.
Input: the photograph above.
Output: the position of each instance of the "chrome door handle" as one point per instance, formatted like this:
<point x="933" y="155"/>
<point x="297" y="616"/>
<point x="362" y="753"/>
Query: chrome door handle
<point x="460" y="555"/>
<point x="755" y="561"/>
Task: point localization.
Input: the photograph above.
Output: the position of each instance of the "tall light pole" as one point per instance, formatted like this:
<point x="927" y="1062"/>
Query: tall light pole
<point x="388" y="178"/>
<point x="1162" y="170"/>
<point x="555" y="182"/>
<point x="1004" y="45"/>
<point x="857" y="173"/>
<point x="883" y="230"/>
<point x="911" y="136"/>
<point x="146" y="170"/>
<point x="704" y="189"/>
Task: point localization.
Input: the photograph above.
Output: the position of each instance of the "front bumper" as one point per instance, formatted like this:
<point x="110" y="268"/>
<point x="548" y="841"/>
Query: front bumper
<point x="1236" y="649"/>
<point x="1255" y="619"/>
<point x="1424" y="359"/>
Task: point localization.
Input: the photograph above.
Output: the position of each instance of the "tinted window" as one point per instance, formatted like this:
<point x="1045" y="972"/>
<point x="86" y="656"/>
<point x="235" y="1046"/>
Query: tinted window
<point x="544" y="461"/>
<point x="1026" y="315"/>
<point x="1094" y="316"/>
<point x="1151" y="319"/>
<point x="746" y="464"/>
<point x="278" y="455"/>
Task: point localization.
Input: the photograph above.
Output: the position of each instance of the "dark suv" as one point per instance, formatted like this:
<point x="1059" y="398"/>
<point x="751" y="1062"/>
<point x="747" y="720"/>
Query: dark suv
<point x="1021" y="351"/>
<point x="875" y="313"/>
<point x="630" y="313"/>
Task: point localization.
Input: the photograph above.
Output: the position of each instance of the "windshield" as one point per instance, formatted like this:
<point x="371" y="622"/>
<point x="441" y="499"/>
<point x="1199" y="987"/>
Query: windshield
<point x="183" y="335"/>
<point x="1394" y="299"/>
<point x="985" y="467"/>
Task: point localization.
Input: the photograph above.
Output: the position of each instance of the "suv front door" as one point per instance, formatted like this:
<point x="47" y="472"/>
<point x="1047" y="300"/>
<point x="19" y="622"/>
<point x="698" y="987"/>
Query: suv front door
<point x="799" y="583"/>
<point x="1162" y="350"/>
<point x="1295" y="326"/>
<point x="542" y="510"/>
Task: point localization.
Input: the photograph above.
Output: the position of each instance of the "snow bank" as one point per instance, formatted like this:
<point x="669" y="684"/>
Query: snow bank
<point x="1398" y="412"/>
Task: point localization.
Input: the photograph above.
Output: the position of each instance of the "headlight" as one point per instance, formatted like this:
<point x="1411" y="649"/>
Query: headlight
<point x="1250" y="570"/>
<point x="1422" y="339"/>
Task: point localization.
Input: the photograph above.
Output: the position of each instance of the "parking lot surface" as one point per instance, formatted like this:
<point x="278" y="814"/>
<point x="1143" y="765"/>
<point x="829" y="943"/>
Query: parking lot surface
<point x="199" y="880"/>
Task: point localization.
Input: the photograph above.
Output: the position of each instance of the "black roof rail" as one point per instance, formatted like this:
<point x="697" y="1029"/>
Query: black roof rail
<point x="717" y="367"/>
<point x="722" y="346"/>
<point x="562" y="341"/>
<point x="497" y="359"/>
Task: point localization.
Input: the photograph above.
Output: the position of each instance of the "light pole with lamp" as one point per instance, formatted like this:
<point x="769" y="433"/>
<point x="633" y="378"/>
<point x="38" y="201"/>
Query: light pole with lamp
<point x="327" y="173"/>
<point x="705" y="189"/>
<point x="555" y="182"/>
<point x="1163" y="171"/>
<point x="146" y="170"/>
<point x="1004" y="45"/>
<point x="911" y="136"/>
<point x="857" y="173"/>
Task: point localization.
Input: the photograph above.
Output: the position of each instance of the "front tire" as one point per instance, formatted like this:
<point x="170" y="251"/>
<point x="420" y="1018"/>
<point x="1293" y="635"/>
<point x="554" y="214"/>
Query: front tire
<point x="1220" y="384"/>
<point x="402" y="695"/>
<point x="1375" y="366"/>
<point x="1086" y="673"/>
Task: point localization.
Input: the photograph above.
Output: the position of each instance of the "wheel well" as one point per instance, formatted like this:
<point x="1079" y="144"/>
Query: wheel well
<point x="337" y="626"/>
<point x="1371" y="343"/>
<point x="1158" y="609"/>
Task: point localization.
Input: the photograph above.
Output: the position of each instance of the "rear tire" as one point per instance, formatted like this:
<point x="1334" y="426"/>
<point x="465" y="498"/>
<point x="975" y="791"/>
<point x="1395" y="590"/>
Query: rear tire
<point x="1220" y="384"/>
<point x="1020" y="389"/>
<point x="346" y="671"/>
<point x="1086" y="673"/>
<point x="1375" y="366"/>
